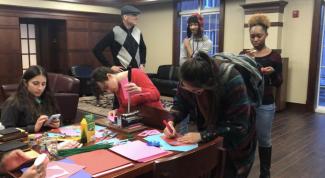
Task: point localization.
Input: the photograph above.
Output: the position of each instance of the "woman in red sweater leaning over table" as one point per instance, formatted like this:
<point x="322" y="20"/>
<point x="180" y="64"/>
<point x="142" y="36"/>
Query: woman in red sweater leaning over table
<point x="140" y="89"/>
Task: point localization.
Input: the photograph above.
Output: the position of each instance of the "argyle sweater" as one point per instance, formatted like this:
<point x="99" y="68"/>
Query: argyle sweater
<point x="127" y="47"/>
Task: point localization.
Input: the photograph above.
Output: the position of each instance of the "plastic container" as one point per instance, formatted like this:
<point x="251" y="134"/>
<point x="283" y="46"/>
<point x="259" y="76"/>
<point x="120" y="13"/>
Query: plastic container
<point x="83" y="131"/>
<point x="90" y="127"/>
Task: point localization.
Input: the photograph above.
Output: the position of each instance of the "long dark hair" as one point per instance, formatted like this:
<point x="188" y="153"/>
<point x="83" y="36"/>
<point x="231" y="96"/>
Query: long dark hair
<point x="46" y="103"/>
<point x="203" y="72"/>
<point x="195" y="18"/>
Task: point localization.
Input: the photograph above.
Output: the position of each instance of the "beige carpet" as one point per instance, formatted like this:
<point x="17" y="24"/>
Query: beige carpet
<point x="91" y="105"/>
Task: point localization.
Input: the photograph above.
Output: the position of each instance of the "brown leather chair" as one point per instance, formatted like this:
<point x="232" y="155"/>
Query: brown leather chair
<point x="206" y="161"/>
<point x="66" y="93"/>
<point x="8" y="90"/>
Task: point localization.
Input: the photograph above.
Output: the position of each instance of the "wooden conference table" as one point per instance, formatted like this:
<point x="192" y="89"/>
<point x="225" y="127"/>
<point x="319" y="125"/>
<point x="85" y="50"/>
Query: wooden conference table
<point x="144" y="170"/>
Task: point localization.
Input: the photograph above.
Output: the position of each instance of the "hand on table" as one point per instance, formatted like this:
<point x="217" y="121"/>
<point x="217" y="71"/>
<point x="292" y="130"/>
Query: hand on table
<point x="190" y="138"/>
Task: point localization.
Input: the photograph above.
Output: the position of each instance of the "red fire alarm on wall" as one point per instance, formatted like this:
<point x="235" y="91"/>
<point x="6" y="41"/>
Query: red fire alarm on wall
<point x="295" y="13"/>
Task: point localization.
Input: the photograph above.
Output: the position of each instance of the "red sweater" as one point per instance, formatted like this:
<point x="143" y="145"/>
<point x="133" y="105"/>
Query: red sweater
<point x="149" y="96"/>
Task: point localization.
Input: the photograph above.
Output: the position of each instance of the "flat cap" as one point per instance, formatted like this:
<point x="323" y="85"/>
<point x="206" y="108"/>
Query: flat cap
<point x="127" y="9"/>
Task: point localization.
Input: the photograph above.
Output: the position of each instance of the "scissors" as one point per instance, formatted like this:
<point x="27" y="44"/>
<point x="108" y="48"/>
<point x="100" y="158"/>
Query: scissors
<point x="149" y="132"/>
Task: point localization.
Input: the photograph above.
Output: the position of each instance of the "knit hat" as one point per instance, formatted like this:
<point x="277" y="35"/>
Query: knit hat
<point x="127" y="10"/>
<point x="195" y="18"/>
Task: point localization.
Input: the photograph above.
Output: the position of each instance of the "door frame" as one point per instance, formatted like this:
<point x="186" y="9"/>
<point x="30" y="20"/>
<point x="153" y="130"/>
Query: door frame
<point x="314" y="62"/>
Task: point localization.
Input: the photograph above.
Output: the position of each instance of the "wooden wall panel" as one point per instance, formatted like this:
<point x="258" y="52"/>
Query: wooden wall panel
<point x="85" y="57"/>
<point x="9" y="21"/>
<point x="80" y="58"/>
<point x="77" y="40"/>
<point x="101" y="26"/>
<point x="80" y="46"/>
<point x="9" y="40"/>
<point x="78" y="25"/>
<point x="10" y="67"/>
<point x="10" y="60"/>
<point x="95" y="37"/>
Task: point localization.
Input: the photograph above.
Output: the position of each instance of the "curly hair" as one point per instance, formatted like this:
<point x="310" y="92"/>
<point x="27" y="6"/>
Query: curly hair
<point x="261" y="20"/>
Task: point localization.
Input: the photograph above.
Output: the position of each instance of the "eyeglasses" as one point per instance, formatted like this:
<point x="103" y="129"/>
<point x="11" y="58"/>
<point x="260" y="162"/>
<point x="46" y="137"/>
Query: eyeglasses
<point x="187" y="87"/>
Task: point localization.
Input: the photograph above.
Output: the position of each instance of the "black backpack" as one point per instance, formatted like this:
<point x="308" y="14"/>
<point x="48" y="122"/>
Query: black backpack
<point x="248" y="69"/>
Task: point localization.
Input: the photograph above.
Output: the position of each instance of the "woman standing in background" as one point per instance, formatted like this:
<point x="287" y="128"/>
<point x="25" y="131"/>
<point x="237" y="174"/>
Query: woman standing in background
<point x="271" y="67"/>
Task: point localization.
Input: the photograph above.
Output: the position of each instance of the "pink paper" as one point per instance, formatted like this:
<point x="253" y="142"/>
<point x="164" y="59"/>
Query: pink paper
<point x="72" y="130"/>
<point x="139" y="151"/>
<point x="124" y="82"/>
<point x="61" y="169"/>
<point x="111" y="118"/>
<point x="71" y="168"/>
<point x="54" y="171"/>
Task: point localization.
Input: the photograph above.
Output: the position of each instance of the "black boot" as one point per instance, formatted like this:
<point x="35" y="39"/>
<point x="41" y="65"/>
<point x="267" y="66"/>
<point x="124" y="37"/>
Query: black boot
<point x="265" y="161"/>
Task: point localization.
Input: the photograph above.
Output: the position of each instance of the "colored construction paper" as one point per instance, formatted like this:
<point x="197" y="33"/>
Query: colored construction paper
<point x="113" y="141"/>
<point x="100" y="162"/>
<point x="54" y="171"/>
<point x="139" y="151"/>
<point x="74" y="130"/>
<point x="164" y="145"/>
<point x="111" y="118"/>
<point x="80" y="174"/>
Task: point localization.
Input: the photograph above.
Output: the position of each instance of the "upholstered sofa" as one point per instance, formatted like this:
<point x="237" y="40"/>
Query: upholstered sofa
<point x="66" y="93"/>
<point x="166" y="79"/>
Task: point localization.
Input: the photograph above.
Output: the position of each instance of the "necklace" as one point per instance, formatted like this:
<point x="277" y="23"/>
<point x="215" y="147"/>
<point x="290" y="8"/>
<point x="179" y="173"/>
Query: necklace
<point x="197" y="46"/>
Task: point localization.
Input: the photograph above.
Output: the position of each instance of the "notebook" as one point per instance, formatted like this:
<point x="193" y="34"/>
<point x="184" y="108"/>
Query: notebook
<point x="12" y="134"/>
<point x="12" y="145"/>
<point x="139" y="151"/>
<point x="101" y="162"/>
